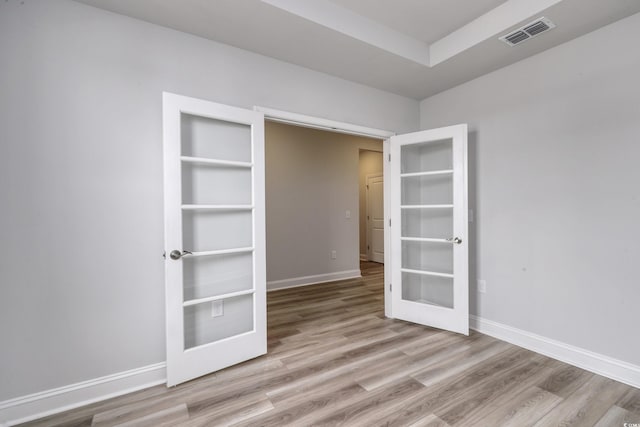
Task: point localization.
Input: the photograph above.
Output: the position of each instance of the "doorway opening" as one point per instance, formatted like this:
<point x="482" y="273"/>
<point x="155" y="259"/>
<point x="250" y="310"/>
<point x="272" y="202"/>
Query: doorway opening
<point x="336" y="127"/>
<point x="317" y="204"/>
<point x="315" y="199"/>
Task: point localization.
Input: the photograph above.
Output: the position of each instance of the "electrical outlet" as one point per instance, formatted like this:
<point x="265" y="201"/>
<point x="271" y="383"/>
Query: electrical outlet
<point x="347" y="214"/>
<point x="482" y="286"/>
<point x="334" y="255"/>
<point x="217" y="308"/>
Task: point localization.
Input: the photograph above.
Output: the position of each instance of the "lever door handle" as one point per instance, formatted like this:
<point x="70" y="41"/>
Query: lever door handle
<point x="176" y="254"/>
<point x="455" y="240"/>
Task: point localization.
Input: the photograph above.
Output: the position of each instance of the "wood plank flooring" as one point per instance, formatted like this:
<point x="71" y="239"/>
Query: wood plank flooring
<point x="335" y="360"/>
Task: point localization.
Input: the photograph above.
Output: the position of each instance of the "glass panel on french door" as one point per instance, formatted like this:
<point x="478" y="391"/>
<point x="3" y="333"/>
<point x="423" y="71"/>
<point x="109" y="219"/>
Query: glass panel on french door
<point x="217" y="226"/>
<point x="427" y="190"/>
<point x="206" y="184"/>
<point x="209" y="276"/>
<point x="427" y="256"/>
<point x="211" y="230"/>
<point x="424" y="289"/>
<point x="426" y="222"/>
<point x="426" y="157"/>
<point x="215" y="139"/>
<point x="213" y="321"/>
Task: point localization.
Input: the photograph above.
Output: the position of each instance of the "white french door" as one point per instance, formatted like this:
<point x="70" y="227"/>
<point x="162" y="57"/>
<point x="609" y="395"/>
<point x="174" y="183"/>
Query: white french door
<point x="214" y="236"/>
<point x="429" y="238"/>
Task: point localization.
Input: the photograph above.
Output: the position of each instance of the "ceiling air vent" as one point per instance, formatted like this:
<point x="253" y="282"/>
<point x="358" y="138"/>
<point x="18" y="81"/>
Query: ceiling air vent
<point x="528" y="31"/>
<point x="517" y="37"/>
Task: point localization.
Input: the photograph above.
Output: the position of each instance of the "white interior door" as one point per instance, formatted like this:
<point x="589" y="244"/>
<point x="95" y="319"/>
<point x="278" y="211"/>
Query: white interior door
<point x="375" y="218"/>
<point x="214" y="236"/>
<point x="429" y="238"/>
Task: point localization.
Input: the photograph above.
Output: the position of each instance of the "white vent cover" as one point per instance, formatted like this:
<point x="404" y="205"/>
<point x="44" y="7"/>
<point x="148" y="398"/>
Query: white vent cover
<point x="528" y="31"/>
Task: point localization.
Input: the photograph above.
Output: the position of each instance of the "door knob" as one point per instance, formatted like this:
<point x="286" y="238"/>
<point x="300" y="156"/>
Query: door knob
<point x="176" y="254"/>
<point x="455" y="240"/>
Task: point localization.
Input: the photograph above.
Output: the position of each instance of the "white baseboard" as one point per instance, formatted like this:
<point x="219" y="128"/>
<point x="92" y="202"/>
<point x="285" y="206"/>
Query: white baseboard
<point x="49" y="402"/>
<point x="364" y="257"/>
<point x="312" y="280"/>
<point x="597" y="363"/>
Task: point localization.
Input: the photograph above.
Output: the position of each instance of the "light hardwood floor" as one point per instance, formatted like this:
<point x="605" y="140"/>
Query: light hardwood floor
<point x="335" y="360"/>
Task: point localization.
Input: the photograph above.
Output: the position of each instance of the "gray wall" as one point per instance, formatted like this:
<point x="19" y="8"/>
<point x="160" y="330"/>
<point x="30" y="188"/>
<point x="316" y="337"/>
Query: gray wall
<point x="81" y="272"/>
<point x="555" y="143"/>
<point x="312" y="180"/>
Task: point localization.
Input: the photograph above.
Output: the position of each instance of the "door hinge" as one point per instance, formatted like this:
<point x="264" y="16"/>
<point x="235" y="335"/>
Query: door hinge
<point x="368" y="247"/>
<point x="367" y="217"/>
<point x="367" y="186"/>
<point x="390" y="287"/>
<point x="389" y="157"/>
<point x="389" y="222"/>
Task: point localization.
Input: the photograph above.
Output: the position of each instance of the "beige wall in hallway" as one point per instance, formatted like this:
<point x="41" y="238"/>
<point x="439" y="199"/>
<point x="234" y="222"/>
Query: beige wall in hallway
<point x="311" y="181"/>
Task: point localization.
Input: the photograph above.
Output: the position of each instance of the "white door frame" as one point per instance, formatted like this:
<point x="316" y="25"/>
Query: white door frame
<point x="350" y="129"/>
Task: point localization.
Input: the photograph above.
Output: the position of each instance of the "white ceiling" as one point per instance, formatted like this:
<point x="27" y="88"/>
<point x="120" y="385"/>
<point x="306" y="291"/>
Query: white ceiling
<point x="415" y="48"/>
<point x="425" y="20"/>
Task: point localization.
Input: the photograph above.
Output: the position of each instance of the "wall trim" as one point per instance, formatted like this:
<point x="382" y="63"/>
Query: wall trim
<point x="295" y="282"/>
<point x="42" y="404"/>
<point x="364" y="257"/>
<point x="594" y="362"/>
